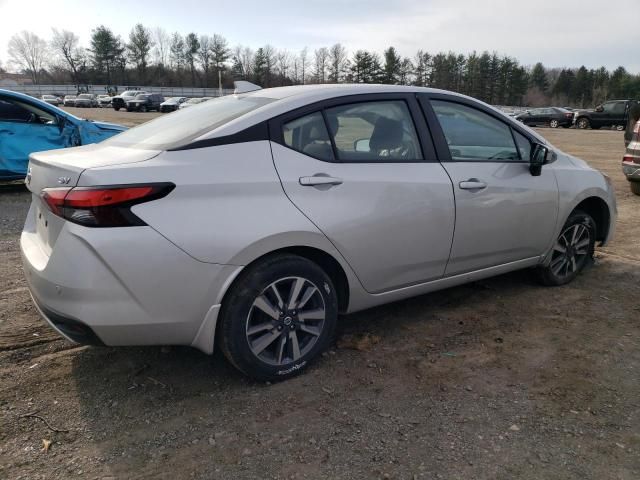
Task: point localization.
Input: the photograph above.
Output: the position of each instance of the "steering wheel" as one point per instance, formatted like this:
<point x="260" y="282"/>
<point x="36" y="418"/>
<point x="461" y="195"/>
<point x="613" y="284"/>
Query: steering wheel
<point x="33" y="118"/>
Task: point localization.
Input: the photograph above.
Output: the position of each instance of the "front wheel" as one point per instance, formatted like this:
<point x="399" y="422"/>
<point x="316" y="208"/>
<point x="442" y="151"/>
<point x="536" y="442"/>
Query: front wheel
<point x="279" y="316"/>
<point x="117" y="109"/>
<point x="635" y="187"/>
<point x="572" y="251"/>
<point x="554" y="124"/>
<point x="143" y="108"/>
<point x="583" y="123"/>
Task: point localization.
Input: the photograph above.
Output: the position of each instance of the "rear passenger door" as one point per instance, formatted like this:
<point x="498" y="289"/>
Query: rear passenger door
<point x="503" y="213"/>
<point x="360" y="171"/>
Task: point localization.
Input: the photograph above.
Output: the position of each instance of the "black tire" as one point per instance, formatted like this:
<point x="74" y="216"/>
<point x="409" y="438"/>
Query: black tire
<point x="555" y="273"/>
<point x="142" y="108"/>
<point x="635" y="187"/>
<point x="238" y="312"/>
<point x="117" y="109"/>
<point x="583" y="123"/>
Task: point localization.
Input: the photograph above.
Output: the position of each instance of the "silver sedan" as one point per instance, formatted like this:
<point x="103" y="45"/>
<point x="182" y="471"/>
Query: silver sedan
<point x="251" y="221"/>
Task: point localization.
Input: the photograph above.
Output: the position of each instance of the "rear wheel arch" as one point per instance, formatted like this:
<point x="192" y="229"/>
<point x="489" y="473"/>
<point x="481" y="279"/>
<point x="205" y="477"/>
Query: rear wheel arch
<point x="324" y="260"/>
<point x="597" y="209"/>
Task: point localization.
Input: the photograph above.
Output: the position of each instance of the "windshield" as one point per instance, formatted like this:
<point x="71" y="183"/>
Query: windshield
<point x="183" y="126"/>
<point x="85" y="96"/>
<point x="141" y="97"/>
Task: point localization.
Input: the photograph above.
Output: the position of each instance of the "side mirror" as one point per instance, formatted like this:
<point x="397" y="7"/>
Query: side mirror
<point x="599" y="108"/>
<point x="539" y="157"/>
<point x="361" y="145"/>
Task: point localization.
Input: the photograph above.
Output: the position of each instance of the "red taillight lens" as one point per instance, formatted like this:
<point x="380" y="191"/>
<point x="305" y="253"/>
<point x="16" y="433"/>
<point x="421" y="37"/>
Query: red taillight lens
<point x="54" y="198"/>
<point x="108" y="206"/>
<point x="630" y="159"/>
<point x="636" y="128"/>
<point x="568" y="115"/>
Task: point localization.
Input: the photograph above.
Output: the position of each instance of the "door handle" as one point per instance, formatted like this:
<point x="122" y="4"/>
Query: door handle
<point x="319" y="180"/>
<point x="472" y="184"/>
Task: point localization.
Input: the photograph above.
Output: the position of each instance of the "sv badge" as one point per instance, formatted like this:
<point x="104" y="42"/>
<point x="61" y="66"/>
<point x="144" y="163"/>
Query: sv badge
<point x="64" y="180"/>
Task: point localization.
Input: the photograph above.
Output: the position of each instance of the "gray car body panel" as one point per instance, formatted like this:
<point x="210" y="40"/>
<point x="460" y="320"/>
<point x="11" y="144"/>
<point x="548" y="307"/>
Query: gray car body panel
<point x="235" y="203"/>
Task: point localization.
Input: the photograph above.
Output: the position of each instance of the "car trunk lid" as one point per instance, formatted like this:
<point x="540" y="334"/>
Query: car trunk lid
<point x="62" y="169"/>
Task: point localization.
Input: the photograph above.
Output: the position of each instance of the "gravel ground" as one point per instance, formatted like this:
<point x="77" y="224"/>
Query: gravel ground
<point x="499" y="379"/>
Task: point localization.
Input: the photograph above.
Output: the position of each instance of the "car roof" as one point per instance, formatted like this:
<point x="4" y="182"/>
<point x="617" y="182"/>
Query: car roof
<point x="293" y="97"/>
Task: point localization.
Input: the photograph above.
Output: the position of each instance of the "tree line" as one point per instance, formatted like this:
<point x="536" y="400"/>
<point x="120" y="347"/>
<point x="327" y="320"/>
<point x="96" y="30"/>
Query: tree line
<point x="153" y="56"/>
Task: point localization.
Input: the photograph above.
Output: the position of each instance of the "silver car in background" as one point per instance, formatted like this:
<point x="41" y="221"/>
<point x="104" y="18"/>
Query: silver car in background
<point x="86" y="100"/>
<point x="50" y="99"/>
<point x="252" y="220"/>
<point x="69" y="100"/>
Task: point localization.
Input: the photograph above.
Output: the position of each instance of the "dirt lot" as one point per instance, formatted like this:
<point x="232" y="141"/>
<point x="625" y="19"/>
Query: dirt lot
<point x="500" y="379"/>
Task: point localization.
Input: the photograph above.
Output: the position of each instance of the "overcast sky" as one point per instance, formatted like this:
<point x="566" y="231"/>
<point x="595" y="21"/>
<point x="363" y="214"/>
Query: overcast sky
<point x="556" y="32"/>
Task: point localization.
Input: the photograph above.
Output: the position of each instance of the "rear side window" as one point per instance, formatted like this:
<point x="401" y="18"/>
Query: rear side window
<point x="309" y="135"/>
<point x="189" y="123"/>
<point x="473" y="135"/>
<point x="380" y="131"/>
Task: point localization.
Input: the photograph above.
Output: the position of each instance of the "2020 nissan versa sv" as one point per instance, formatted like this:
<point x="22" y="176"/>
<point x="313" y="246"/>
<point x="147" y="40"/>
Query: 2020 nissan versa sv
<point x="254" y="219"/>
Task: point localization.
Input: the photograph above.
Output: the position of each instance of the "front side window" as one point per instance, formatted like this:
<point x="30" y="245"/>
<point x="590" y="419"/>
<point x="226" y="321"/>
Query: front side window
<point x="309" y="135"/>
<point x="381" y="131"/>
<point x="473" y="135"/>
<point x="22" y="112"/>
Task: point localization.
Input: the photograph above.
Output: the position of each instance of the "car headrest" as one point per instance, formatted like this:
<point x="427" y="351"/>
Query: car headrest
<point x="387" y="134"/>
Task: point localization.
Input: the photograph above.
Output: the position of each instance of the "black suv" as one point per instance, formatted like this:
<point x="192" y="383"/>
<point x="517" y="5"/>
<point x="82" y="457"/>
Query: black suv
<point x="145" y="102"/>
<point x="613" y="113"/>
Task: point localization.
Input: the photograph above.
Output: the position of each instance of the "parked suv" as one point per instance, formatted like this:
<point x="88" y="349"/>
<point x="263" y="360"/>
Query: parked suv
<point x="145" y="102"/>
<point x="610" y="114"/>
<point x="120" y="101"/>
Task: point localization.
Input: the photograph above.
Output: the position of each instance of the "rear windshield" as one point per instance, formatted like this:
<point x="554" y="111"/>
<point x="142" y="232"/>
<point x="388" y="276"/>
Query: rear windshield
<point x="85" y="95"/>
<point x="181" y="127"/>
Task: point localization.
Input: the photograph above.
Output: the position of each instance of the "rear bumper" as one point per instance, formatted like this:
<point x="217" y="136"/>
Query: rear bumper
<point x="69" y="328"/>
<point x="123" y="286"/>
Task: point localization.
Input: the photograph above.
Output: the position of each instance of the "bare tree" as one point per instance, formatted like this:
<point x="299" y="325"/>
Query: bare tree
<point x="243" y="61"/>
<point x="163" y="46"/>
<point x="29" y="52"/>
<point x="337" y="62"/>
<point x="283" y="59"/>
<point x="304" y="63"/>
<point x="269" y="62"/>
<point x="65" y="46"/>
<point x="204" y="56"/>
<point x="321" y="56"/>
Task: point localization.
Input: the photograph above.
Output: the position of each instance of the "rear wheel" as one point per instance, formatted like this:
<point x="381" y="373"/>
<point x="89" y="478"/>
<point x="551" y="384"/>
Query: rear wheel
<point x="635" y="187"/>
<point x="117" y="109"/>
<point x="279" y="316"/>
<point x="572" y="251"/>
<point x="143" y="108"/>
<point x="583" y="123"/>
<point x="553" y="124"/>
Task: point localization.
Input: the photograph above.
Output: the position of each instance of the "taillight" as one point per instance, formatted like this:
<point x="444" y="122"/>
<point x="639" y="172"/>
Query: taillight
<point x="104" y="206"/>
<point x="630" y="159"/>
<point x="568" y="115"/>
<point x="636" y="128"/>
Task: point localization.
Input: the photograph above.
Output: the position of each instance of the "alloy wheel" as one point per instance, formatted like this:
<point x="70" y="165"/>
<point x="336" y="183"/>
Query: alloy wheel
<point x="554" y="124"/>
<point x="285" y="321"/>
<point x="570" y="251"/>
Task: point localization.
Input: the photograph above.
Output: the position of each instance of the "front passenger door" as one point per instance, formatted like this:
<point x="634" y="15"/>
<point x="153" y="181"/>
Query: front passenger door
<point x="503" y="213"/>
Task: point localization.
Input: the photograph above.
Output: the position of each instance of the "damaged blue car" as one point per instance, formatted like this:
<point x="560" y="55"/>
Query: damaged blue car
<point x="30" y="125"/>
